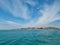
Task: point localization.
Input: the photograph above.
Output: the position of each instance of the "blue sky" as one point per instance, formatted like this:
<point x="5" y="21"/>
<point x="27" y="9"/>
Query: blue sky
<point x="29" y="13"/>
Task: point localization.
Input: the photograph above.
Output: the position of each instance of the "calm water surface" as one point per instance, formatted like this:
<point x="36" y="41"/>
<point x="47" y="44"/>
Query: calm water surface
<point x="30" y="37"/>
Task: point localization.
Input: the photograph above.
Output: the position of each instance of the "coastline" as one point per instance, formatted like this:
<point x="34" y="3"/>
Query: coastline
<point x="34" y="28"/>
<point x="40" y="28"/>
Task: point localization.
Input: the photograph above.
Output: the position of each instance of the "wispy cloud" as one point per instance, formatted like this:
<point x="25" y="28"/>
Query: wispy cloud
<point x="31" y="2"/>
<point x="18" y="8"/>
<point x="6" y="24"/>
<point x="49" y="14"/>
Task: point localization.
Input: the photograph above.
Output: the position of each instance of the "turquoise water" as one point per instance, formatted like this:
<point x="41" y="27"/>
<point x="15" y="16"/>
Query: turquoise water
<point x="30" y="37"/>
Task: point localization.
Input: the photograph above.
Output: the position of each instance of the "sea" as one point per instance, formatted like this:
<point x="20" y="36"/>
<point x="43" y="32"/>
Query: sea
<point x="30" y="37"/>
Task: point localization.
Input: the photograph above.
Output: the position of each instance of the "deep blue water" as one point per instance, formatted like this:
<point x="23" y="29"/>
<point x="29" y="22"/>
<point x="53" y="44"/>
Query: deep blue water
<point x="29" y="37"/>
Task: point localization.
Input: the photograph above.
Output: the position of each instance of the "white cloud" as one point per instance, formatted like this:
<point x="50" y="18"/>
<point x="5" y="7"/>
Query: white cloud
<point x="49" y="14"/>
<point x="9" y="25"/>
<point x="18" y="9"/>
<point x="12" y="23"/>
<point x="31" y="2"/>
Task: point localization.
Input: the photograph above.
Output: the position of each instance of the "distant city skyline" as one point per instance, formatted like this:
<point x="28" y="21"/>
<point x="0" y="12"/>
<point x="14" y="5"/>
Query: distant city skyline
<point x="29" y="13"/>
